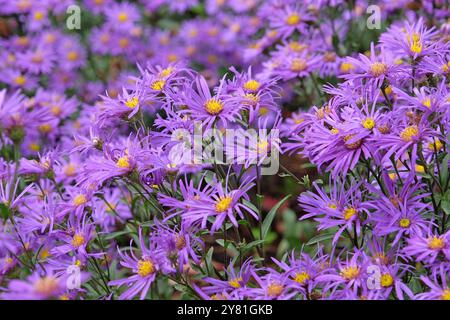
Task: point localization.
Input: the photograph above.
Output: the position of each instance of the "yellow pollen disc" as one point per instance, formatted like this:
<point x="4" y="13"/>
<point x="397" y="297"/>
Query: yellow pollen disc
<point x="436" y="145"/>
<point x="132" y="103"/>
<point x="44" y="254"/>
<point x="37" y="58"/>
<point x="235" y="283"/>
<point x="251" y="85"/>
<point x="56" y="110"/>
<point x="213" y="106"/>
<point x="368" y="123"/>
<point x="263" y="111"/>
<point x="35" y="147"/>
<point x="70" y="170"/>
<point x="124" y="42"/>
<point x="298" y="64"/>
<point x="334" y="131"/>
<point x="436" y="243"/>
<point x="445" y="67"/>
<point x="347" y="67"/>
<point x="349" y="212"/>
<point x="445" y="294"/>
<point x="386" y="280"/>
<point x="157" y="85"/>
<point x="297" y="46"/>
<point x="392" y="176"/>
<point x="251" y="98"/>
<point x="166" y="72"/>
<point x="122" y="17"/>
<point x="298" y="121"/>
<point x="79" y="200"/>
<point x="388" y="90"/>
<point x="332" y="206"/>
<point x="419" y="168"/>
<point x="293" y="19"/>
<point x="72" y="56"/>
<point x="302" y="277"/>
<point x="409" y="133"/>
<point x="46" y="286"/>
<point x="416" y="47"/>
<point x="223" y="204"/>
<point x="123" y="162"/>
<point x="404" y="223"/>
<point x="9" y="260"/>
<point x="180" y="242"/>
<point x="426" y="103"/>
<point x="354" y="145"/>
<point x="262" y="146"/>
<point x="274" y="289"/>
<point x="145" y="268"/>
<point x="350" y="273"/>
<point x="78" y="240"/>
<point x="378" y="68"/>
<point x="45" y="128"/>
<point x="38" y="15"/>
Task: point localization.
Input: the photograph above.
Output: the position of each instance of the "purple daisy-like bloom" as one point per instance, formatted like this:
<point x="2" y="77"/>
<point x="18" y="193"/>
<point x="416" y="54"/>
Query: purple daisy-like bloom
<point x="236" y="283"/>
<point x="438" y="282"/>
<point x="205" y="107"/>
<point x="374" y="69"/>
<point x="427" y="247"/>
<point x="145" y="269"/>
<point x="221" y="204"/>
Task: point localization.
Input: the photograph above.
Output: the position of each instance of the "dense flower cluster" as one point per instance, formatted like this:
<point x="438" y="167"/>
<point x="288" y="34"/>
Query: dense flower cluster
<point x="133" y="156"/>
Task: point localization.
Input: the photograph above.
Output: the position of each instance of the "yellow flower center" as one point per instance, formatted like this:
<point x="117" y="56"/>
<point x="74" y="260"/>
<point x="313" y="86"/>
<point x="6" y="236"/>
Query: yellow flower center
<point x="409" y="133"/>
<point x="349" y="212"/>
<point x="298" y="64"/>
<point x="386" y="280"/>
<point x="404" y="223"/>
<point x="35" y="147"/>
<point x="251" y="85"/>
<point x="293" y="19"/>
<point x="20" y="80"/>
<point x="274" y="289"/>
<point x="166" y="72"/>
<point x="45" y="128"/>
<point x="46" y="286"/>
<point x="445" y="294"/>
<point x="223" y="204"/>
<point x="145" y="268"/>
<point x="132" y="103"/>
<point x="419" y="168"/>
<point x="72" y="56"/>
<point x="262" y="146"/>
<point x="426" y="102"/>
<point x="70" y="170"/>
<point x="78" y="240"/>
<point x="122" y="17"/>
<point x="38" y="15"/>
<point x="416" y="47"/>
<point x="436" y="243"/>
<point x="213" y="106"/>
<point x="378" y="68"/>
<point x="123" y="162"/>
<point x="350" y="273"/>
<point x="435" y="146"/>
<point x="346" y="67"/>
<point x="158" y="85"/>
<point x="302" y="277"/>
<point x="368" y="123"/>
<point x="354" y="145"/>
<point x="235" y="283"/>
<point x="79" y="200"/>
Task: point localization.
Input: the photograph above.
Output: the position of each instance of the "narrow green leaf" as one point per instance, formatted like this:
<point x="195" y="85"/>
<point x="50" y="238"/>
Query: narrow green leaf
<point x="319" y="238"/>
<point x="270" y="216"/>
